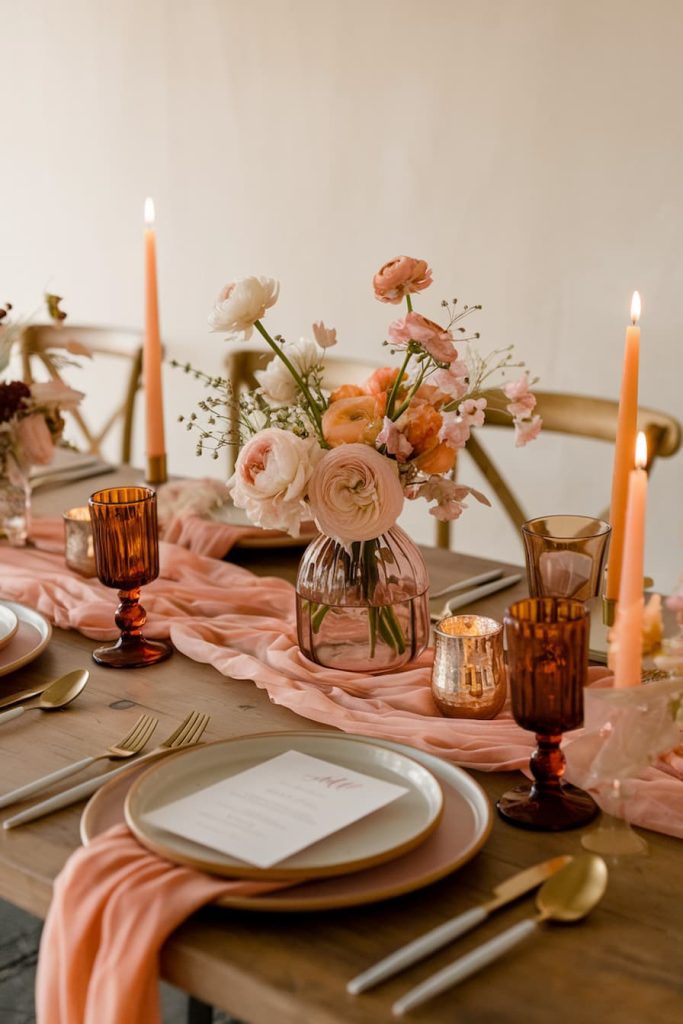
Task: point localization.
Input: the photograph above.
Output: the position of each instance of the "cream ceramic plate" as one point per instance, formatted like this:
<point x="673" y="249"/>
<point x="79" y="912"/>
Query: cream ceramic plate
<point x="9" y="623"/>
<point x="387" y="833"/>
<point x="464" y="828"/>
<point x="263" y="538"/>
<point x="31" y="638"/>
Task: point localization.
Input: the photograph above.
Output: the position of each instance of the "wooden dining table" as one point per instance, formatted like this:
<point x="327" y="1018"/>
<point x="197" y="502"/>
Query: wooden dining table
<point x="622" y="964"/>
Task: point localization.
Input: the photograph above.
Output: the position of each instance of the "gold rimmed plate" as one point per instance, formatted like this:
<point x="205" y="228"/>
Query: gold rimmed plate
<point x="387" y="833"/>
<point x="29" y="640"/>
<point x="462" y="831"/>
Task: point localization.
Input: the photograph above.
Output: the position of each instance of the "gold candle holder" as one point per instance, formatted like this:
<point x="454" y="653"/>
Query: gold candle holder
<point x="79" y="552"/>
<point x="156" y="469"/>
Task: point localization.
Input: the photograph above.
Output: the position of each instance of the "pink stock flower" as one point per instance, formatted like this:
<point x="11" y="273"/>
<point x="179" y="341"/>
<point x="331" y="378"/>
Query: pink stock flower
<point x="396" y="442"/>
<point x="454" y="430"/>
<point x="325" y="336"/>
<point x="56" y="393"/>
<point x="473" y="411"/>
<point x="355" y="493"/>
<point x="433" y="338"/>
<point x="400" y="277"/>
<point x="271" y="476"/>
<point x="34" y="444"/>
<point x="449" y="496"/>
<point x="527" y="430"/>
<point x="454" y="381"/>
<point x="522" y="402"/>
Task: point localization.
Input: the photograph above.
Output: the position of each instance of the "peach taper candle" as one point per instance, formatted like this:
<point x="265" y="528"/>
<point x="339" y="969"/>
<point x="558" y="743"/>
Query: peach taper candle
<point x="631" y="604"/>
<point x="623" y="450"/>
<point x="155" y="448"/>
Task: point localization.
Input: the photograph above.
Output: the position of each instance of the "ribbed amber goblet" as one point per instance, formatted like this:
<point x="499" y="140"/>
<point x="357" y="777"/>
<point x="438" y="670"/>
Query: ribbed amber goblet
<point x="547" y="641"/>
<point x="126" y="544"/>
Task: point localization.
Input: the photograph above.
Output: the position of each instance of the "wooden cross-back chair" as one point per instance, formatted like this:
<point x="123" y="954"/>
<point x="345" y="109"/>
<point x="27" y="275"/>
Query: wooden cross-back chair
<point x="41" y="344"/>
<point x="572" y="415"/>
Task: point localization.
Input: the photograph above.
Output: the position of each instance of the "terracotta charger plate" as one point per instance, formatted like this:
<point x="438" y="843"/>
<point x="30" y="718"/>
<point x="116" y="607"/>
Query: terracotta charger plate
<point x="386" y="833"/>
<point x="30" y="639"/>
<point x="464" y="827"/>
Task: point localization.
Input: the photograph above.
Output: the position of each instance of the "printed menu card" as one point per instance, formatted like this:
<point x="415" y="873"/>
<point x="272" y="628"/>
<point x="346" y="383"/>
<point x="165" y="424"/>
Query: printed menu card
<point x="272" y="811"/>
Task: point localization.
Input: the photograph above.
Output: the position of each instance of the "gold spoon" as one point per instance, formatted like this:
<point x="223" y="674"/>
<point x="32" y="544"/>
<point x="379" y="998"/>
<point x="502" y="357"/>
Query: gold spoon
<point x="568" y="895"/>
<point x="57" y="695"/>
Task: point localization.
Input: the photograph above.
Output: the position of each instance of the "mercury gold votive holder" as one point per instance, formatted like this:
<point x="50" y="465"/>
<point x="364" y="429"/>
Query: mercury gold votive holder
<point x="79" y="552"/>
<point x="468" y="677"/>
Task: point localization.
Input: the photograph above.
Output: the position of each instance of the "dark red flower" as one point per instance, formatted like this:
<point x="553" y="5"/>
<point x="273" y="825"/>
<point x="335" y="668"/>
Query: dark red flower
<point x="14" y="396"/>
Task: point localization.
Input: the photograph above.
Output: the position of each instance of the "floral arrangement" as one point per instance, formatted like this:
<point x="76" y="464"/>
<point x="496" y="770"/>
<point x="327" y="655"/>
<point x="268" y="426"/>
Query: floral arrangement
<point x="349" y="458"/>
<point x="31" y="423"/>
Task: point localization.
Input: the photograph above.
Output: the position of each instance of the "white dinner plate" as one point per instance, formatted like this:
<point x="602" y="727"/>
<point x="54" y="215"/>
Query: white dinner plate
<point x="9" y="623"/>
<point x="388" y="832"/>
<point x="461" y="833"/>
<point x="31" y="638"/>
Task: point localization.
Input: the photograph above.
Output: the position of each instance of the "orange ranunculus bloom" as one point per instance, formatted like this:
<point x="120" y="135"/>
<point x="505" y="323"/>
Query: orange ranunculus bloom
<point x="382" y="380"/>
<point x="421" y="424"/>
<point x="352" y="420"/>
<point x="346" y="391"/>
<point x="438" y="460"/>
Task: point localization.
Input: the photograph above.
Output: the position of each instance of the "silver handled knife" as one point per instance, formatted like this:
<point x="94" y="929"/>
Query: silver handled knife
<point x="440" y="936"/>
<point x="470" y="596"/>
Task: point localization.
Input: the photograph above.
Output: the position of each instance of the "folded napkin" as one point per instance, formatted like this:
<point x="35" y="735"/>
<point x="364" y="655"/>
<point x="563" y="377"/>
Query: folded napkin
<point x="244" y="625"/>
<point x="113" y="907"/>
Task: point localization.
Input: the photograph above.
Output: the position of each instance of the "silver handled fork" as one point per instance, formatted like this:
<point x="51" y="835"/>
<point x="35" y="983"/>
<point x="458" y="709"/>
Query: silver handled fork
<point x="188" y="733"/>
<point x="131" y="744"/>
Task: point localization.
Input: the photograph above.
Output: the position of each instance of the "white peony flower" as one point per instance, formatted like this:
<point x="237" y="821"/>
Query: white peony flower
<point x="271" y="478"/>
<point x="241" y="304"/>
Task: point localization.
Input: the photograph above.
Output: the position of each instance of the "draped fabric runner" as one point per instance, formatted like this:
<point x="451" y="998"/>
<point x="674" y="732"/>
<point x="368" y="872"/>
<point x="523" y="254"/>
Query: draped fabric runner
<point x="244" y="625"/>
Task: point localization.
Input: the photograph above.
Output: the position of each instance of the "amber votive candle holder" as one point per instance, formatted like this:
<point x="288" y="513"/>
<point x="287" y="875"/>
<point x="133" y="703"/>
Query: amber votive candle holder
<point x="79" y="553"/>
<point x="547" y="645"/>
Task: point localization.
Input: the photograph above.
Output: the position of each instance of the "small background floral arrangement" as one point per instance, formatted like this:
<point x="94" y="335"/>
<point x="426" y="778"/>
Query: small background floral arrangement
<point x="31" y="423"/>
<point x="349" y="458"/>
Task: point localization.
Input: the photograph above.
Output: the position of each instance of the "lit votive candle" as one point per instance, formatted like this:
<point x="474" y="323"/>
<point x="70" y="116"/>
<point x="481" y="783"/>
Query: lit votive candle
<point x="78" y="543"/>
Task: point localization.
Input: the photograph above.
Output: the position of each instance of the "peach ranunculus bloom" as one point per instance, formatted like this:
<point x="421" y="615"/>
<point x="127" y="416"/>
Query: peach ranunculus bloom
<point x="355" y="493"/>
<point x="421" y="424"/>
<point x="241" y="303"/>
<point x="434" y="339"/>
<point x="352" y="421"/>
<point x="400" y="277"/>
<point x="34" y="444"/>
<point x="271" y="477"/>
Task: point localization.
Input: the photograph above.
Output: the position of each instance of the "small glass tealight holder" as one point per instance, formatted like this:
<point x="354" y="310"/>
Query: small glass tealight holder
<point x="78" y="543"/>
<point x="468" y="677"/>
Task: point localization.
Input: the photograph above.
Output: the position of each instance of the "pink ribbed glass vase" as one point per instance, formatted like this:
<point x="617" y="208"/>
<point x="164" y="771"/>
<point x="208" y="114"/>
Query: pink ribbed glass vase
<point x="363" y="608"/>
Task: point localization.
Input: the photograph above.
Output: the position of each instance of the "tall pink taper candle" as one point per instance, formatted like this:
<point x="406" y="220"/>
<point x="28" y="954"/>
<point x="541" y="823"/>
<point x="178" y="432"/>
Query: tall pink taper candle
<point x="623" y="450"/>
<point x="629" y="624"/>
<point x="151" y="364"/>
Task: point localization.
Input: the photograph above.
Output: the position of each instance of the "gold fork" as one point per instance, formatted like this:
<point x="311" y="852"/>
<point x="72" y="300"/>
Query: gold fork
<point x="188" y="733"/>
<point x="132" y="743"/>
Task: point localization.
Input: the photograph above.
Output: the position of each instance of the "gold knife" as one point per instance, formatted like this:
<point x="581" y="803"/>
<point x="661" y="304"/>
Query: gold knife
<point x="509" y="890"/>
<point x="13" y="698"/>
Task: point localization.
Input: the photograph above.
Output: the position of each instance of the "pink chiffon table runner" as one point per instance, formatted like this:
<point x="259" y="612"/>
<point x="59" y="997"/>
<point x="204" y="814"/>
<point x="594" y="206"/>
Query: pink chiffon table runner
<point x="244" y="626"/>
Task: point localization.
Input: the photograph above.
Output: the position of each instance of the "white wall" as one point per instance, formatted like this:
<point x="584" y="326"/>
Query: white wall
<point x="531" y="150"/>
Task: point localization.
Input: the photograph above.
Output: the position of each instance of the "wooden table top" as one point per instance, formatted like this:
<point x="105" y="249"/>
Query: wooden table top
<point x="623" y="963"/>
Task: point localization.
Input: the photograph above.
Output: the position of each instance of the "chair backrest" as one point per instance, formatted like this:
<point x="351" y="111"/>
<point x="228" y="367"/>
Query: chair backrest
<point x="573" y="415"/>
<point x="47" y="345"/>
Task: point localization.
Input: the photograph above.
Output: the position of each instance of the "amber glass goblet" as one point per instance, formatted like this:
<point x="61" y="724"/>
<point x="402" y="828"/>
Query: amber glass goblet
<point x="126" y="545"/>
<point x="547" y="641"/>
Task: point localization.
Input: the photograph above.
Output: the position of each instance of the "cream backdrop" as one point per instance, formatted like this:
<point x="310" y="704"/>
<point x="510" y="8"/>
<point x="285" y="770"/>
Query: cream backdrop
<point x="531" y="150"/>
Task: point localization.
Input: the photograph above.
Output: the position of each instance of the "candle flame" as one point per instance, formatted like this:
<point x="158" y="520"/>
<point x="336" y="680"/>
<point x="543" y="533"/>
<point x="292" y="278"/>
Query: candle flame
<point x="149" y="211"/>
<point x="635" y="307"/>
<point x="641" y="450"/>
